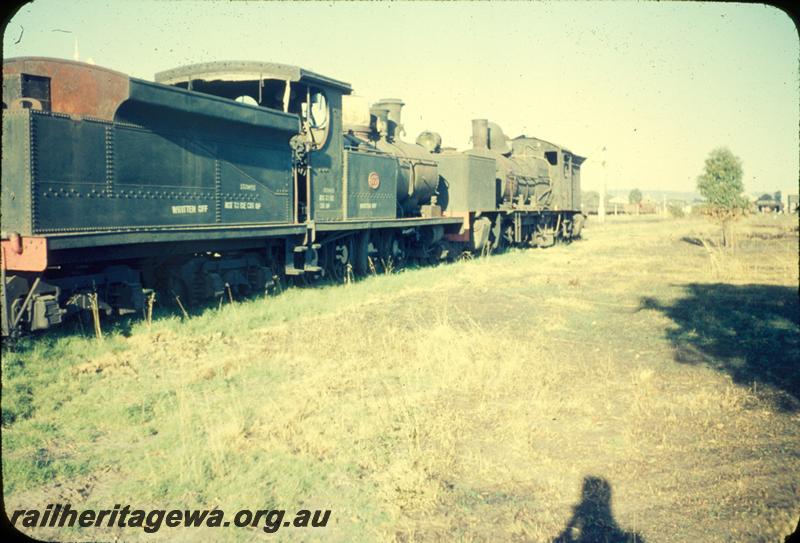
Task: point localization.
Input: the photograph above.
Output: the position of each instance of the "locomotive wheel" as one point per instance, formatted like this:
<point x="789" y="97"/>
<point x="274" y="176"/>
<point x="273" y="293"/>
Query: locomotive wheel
<point x="397" y="252"/>
<point x="361" y="253"/>
<point x="260" y="279"/>
<point x="544" y="238"/>
<point x="390" y="252"/>
<point x="279" y="278"/>
<point x="384" y="251"/>
<point x="339" y="258"/>
<point x="495" y="241"/>
<point x="439" y="253"/>
<point x="507" y="239"/>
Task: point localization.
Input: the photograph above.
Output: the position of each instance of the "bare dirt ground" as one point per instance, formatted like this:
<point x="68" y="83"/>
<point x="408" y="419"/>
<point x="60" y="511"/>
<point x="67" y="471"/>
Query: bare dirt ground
<point x="638" y="385"/>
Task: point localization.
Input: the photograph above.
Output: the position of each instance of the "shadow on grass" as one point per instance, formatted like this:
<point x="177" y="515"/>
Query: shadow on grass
<point x="592" y="519"/>
<point x="751" y="332"/>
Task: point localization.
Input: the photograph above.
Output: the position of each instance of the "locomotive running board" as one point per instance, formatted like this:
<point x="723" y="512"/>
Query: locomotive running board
<point x="375" y="224"/>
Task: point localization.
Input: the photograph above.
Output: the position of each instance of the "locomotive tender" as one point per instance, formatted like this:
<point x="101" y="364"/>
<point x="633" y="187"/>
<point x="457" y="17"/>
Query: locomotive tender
<point x="220" y="177"/>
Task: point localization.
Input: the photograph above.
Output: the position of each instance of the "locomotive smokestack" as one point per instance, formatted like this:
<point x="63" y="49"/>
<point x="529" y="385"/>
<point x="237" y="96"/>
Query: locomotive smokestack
<point x="480" y="133"/>
<point x="381" y="115"/>
<point x="394" y="106"/>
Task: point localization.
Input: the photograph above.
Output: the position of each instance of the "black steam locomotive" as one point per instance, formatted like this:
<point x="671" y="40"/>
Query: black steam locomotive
<point x="221" y="177"/>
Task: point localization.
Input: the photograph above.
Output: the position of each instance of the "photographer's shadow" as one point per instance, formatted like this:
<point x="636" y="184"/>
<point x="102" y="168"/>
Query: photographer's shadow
<point x="592" y="520"/>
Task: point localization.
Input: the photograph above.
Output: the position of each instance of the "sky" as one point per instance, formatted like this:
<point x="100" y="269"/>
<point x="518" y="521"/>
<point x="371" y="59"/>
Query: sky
<point x="646" y="88"/>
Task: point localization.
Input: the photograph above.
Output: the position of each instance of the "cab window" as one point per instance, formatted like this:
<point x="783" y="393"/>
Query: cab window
<point x="311" y="104"/>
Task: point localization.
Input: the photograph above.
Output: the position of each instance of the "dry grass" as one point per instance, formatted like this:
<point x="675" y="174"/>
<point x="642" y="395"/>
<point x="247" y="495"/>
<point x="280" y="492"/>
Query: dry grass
<point x="474" y="402"/>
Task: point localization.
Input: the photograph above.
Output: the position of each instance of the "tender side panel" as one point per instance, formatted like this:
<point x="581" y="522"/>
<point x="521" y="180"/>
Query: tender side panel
<point x="255" y="183"/>
<point x="69" y="179"/>
<point x="371" y="182"/>
<point x="93" y="175"/>
<point x="16" y="190"/>
<point x="161" y="179"/>
<point x="144" y="160"/>
<point x="467" y="183"/>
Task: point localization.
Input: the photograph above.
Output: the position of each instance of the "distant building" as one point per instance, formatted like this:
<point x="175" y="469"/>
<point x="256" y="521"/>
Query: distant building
<point x="792" y="203"/>
<point x="767" y="204"/>
<point x="650" y="205"/>
<point x="617" y="204"/>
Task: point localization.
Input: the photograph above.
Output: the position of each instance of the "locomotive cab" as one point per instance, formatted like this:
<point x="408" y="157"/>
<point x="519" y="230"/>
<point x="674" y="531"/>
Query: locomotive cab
<point x="563" y="167"/>
<point x="270" y="85"/>
<point x="315" y="99"/>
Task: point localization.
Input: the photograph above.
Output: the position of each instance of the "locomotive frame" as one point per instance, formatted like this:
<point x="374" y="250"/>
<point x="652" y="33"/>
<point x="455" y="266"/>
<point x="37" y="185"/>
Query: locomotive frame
<point x="114" y="186"/>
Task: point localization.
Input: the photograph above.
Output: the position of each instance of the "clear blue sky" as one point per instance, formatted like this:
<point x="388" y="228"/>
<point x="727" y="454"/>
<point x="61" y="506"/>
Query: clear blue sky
<point x="657" y="84"/>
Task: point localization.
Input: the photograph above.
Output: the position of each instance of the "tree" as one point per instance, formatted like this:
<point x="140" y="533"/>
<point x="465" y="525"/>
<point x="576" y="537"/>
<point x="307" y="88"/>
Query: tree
<point x="721" y="185"/>
<point x="635" y="197"/>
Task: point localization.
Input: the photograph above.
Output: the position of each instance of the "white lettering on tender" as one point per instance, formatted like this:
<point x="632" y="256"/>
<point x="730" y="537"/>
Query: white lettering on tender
<point x="183" y="210"/>
<point x="247" y="186"/>
<point x="242" y="205"/>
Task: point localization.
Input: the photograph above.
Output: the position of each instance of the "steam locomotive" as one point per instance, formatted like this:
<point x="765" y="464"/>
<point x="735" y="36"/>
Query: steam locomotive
<point x="219" y="178"/>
